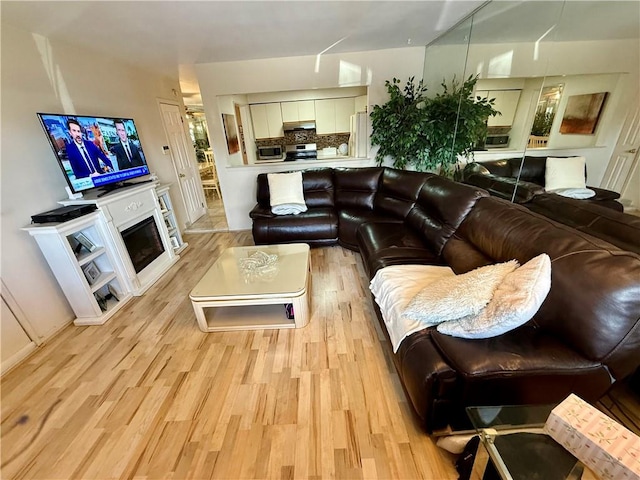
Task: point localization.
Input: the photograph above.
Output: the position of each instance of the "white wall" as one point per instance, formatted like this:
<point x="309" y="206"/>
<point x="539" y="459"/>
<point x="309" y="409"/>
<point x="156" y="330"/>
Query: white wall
<point x="43" y="76"/>
<point x="370" y="68"/>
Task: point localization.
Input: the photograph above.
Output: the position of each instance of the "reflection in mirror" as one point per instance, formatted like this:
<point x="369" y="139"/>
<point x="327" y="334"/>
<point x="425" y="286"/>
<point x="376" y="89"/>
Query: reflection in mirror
<point x="545" y="113"/>
<point x="446" y="58"/>
<point x="445" y="63"/>
<point x="198" y="130"/>
<point x="550" y="52"/>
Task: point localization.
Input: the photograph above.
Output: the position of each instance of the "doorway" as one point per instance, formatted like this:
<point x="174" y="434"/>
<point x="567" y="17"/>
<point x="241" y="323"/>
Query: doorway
<point x="214" y="219"/>
<point x="190" y="189"/>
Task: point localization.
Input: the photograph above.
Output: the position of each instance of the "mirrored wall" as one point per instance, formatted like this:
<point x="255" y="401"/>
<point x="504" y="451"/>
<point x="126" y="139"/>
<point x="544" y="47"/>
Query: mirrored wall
<point x="562" y="76"/>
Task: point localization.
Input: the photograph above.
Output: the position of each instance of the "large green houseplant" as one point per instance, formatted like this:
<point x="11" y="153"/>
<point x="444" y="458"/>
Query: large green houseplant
<point x="428" y="134"/>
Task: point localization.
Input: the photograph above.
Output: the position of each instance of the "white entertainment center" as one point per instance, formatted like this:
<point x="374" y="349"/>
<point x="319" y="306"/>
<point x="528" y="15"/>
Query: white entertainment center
<point x="133" y="239"/>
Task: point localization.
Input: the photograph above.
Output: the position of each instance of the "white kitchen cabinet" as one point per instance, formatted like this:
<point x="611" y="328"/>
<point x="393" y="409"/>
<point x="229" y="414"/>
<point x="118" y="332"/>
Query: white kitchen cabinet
<point x="345" y="107"/>
<point x="82" y="258"/>
<point x="361" y="103"/>
<point x="325" y="116"/>
<point x="506" y="103"/>
<point x="298" y="111"/>
<point x="267" y="120"/>
<point x="333" y="115"/>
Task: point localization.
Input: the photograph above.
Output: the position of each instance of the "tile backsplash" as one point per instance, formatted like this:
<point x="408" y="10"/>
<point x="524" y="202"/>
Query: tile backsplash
<point x="307" y="136"/>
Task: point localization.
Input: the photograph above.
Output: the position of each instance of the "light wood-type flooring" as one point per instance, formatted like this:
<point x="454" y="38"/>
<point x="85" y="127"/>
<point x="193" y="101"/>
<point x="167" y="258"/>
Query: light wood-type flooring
<point x="214" y="220"/>
<point x="147" y="395"/>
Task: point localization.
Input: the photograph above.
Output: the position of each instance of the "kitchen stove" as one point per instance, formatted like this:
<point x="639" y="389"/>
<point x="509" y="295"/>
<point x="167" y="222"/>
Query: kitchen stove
<point x="305" y="151"/>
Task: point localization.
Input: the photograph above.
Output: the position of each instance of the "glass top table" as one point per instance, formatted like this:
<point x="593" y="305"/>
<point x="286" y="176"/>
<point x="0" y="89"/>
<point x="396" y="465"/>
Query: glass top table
<point x="513" y="446"/>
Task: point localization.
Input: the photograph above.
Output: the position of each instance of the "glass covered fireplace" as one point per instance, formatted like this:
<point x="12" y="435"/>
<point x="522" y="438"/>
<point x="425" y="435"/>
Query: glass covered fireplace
<point x="143" y="243"/>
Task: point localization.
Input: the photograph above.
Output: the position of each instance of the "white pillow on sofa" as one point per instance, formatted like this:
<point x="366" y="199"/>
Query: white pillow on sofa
<point x="458" y="296"/>
<point x="286" y="195"/>
<point x="563" y="173"/>
<point x="514" y="302"/>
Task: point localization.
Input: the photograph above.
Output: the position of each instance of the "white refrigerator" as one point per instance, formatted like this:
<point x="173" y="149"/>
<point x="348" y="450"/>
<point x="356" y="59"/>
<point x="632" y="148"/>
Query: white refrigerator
<point x="359" y="138"/>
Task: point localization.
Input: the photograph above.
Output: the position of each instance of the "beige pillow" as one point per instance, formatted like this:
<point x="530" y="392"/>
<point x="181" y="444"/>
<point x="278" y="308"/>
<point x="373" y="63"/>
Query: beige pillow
<point x="515" y="302"/>
<point x="286" y="194"/>
<point x="458" y="296"/>
<point x="563" y="173"/>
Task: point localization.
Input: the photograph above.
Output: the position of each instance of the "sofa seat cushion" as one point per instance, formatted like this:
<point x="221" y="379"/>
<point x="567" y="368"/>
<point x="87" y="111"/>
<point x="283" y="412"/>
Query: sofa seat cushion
<point x="383" y="244"/>
<point x="350" y="219"/>
<point x="315" y="226"/>
<point x="512" y="360"/>
<point x="526" y="349"/>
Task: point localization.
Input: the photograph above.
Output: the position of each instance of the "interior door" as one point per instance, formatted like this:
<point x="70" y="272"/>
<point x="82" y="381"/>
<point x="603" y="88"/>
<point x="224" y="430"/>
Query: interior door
<point x="623" y="166"/>
<point x="179" y="144"/>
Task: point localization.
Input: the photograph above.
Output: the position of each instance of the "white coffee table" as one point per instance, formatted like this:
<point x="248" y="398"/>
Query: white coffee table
<point x="228" y="298"/>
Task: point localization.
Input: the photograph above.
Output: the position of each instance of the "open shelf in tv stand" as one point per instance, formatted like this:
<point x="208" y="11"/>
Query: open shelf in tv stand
<point x="59" y="245"/>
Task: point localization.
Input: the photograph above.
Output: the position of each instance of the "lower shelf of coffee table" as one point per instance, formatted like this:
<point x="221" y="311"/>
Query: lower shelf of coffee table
<point x="247" y="317"/>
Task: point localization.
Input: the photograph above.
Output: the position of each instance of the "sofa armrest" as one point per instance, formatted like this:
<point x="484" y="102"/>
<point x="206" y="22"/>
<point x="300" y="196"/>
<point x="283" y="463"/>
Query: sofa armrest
<point x="503" y="187"/>
<point x="474" y="169"/>
<point x="260" y="212"/>
<point x="602" y="194"/>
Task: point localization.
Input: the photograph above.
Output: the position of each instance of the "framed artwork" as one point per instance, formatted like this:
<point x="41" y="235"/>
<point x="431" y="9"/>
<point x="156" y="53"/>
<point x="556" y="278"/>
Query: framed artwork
<point x="92" y="272"/>
<point x="582" y="113"/>
<point x="231" y="132"/>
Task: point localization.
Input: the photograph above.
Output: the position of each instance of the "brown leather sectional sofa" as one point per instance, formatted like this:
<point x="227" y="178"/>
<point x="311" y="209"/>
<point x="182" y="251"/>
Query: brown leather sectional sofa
<point x="585" y="337"/>
<point x="600" y="216"/>
<point x="502" y="177"/>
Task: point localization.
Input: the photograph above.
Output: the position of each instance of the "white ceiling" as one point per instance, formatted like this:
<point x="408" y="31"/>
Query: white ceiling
<point x="170" y="37"/>
<point x="165" y="36"/>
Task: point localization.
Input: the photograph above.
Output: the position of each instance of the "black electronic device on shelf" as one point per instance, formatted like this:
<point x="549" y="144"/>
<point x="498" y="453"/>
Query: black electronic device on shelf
<point x="63" y="214"/>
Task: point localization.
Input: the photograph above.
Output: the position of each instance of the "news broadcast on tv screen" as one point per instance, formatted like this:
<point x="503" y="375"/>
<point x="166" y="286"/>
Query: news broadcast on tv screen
<point x="95" y="151"/>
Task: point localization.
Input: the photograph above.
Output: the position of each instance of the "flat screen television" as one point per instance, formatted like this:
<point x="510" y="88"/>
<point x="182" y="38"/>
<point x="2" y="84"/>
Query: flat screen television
<point x="95" y="152"/>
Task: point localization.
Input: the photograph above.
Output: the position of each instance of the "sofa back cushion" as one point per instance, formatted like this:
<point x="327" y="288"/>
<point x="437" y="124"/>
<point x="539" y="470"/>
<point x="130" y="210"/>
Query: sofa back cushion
<point x="441" y="206"/>
<point x="398" y="191"/>
<point x="533" y="169"/>
<point x="318" y="188"/>
<point x="594" y="301"/>
<point x="500" y="168"/>
<point x="317" y="185"/>
<point x="356" y="187"/>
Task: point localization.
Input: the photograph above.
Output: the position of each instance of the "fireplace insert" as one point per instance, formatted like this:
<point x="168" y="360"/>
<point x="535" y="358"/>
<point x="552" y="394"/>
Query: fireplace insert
<point x="143" y="243"/>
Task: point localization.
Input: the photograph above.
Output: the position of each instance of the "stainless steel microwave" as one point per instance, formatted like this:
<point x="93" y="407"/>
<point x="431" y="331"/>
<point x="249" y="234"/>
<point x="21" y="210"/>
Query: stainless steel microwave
<point x="496" y="141"/>
<point x="272" y="152"/>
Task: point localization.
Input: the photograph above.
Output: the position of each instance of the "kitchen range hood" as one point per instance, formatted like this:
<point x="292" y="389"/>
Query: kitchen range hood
<point x="296" y="126"/>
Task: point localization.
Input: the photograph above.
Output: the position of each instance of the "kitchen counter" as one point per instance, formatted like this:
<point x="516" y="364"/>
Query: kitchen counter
<point x="336" y="156"/>
<point x="327" y="160"/>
